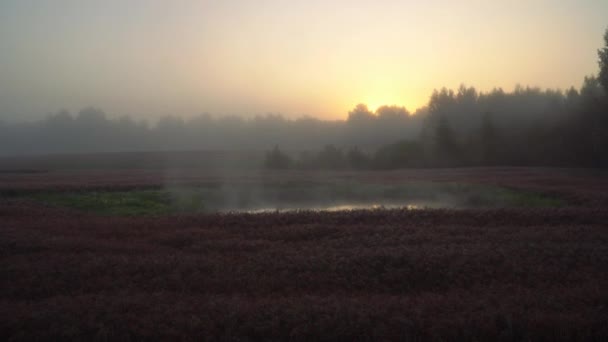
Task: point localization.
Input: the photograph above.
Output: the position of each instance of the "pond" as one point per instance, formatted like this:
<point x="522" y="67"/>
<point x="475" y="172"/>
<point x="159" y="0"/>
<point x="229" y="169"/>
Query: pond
<point x="340" y="207"/>
<point x="266" y="197"/>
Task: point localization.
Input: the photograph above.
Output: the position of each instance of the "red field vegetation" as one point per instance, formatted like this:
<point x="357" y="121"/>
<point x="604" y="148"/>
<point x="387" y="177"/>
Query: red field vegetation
<point x="499" y="274"/>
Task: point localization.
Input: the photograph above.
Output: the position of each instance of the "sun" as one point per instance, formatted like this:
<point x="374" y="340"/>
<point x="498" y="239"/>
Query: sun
<point x="375" y="102"/>
<point x="411" y="101"/>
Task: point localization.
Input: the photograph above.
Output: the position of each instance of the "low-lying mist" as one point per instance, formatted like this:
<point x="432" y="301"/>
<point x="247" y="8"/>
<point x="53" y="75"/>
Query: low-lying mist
<point x="293" y="196"/>
<point x="525" y="127"/>
<point x="348" y="196"/>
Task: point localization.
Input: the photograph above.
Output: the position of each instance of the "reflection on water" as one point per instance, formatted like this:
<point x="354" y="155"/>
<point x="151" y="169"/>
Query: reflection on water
<point x="369" y="207"/>
<point x="345" y="196"/>
<point x="335" y="207"/>
<point x="253" y="198"/>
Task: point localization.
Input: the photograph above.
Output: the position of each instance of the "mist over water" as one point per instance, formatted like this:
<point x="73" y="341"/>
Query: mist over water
<point x="343" y="196"/>
<point x="345" y="207"/>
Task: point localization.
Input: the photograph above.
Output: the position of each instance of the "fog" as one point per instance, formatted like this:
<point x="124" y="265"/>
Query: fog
<point x="317" y="194"/>
<point x="153" y="58"/>
<point x="460" y="127"/>
<point x="526" y="126"/>
<point x="91" y="130"/>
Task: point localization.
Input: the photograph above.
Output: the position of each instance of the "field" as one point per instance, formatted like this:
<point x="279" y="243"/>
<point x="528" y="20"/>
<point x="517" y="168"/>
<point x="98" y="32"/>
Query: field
<point x="525" y="259"/>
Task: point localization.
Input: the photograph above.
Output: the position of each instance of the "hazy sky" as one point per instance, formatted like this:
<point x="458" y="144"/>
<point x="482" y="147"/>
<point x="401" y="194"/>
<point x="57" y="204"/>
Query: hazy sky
<point x="149" y="57"/>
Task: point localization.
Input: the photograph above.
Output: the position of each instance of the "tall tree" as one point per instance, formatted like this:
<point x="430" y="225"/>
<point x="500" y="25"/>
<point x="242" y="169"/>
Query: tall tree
<point x="276" y="159"/>
<point x="446" y="148"/>
<point x="489" y="140"/>
<point x="603" y="61"/>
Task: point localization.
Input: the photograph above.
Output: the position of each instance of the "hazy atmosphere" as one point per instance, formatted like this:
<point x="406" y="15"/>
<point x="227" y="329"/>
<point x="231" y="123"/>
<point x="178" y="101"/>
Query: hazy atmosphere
<point x="282" y="170"/>
<point x="151" y="58"/>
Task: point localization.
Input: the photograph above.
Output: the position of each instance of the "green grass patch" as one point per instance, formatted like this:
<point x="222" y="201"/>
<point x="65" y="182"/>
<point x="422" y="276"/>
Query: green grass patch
<point x="123" y="203"/>
<point x="245" y="197"/>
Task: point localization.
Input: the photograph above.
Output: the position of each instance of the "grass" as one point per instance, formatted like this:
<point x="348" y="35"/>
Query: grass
<point x="217" y="197"/>
<point x="123" y="203"/>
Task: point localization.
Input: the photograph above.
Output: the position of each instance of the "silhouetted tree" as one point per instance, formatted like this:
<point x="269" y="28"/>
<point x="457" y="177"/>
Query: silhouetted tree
<point x="392" y="114"/>
<point x="357" y="159"/>
<point x="360" y="125"/>
<point x="446" y="147"/>
<point x="361" y="114"/>
<point x="591" y="89"/>
<point x="489" y="140"/>
<point x="603" y="62"/>
<point x="277" y="160"/>
<point x="395" y="123"/>
<point x="401" y="154"/>
<point x="331" y="158"/>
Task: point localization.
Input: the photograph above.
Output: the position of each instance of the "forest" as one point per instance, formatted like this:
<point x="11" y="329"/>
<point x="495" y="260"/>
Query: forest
<point x="527" y="126"/>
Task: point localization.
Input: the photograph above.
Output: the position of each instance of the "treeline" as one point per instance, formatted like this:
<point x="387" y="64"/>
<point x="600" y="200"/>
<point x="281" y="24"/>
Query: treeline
<point x="462" y="127"/>
<point x="525" y="127"/>
<point x="92" y="131"/>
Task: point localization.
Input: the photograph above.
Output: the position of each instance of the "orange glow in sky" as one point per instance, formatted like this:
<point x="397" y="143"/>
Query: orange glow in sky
<point x="318" y="58"/>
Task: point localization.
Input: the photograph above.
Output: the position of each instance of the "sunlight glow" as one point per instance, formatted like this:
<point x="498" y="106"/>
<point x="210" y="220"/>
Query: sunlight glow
<point x="317" y="58"/>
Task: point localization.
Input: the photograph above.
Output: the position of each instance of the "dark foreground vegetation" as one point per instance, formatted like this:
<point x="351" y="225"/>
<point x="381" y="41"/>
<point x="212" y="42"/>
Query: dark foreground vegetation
<point x="510" y="274"/>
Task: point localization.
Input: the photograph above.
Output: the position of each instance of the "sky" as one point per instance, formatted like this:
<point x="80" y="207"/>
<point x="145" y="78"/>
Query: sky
<point x="150" y="58"/>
